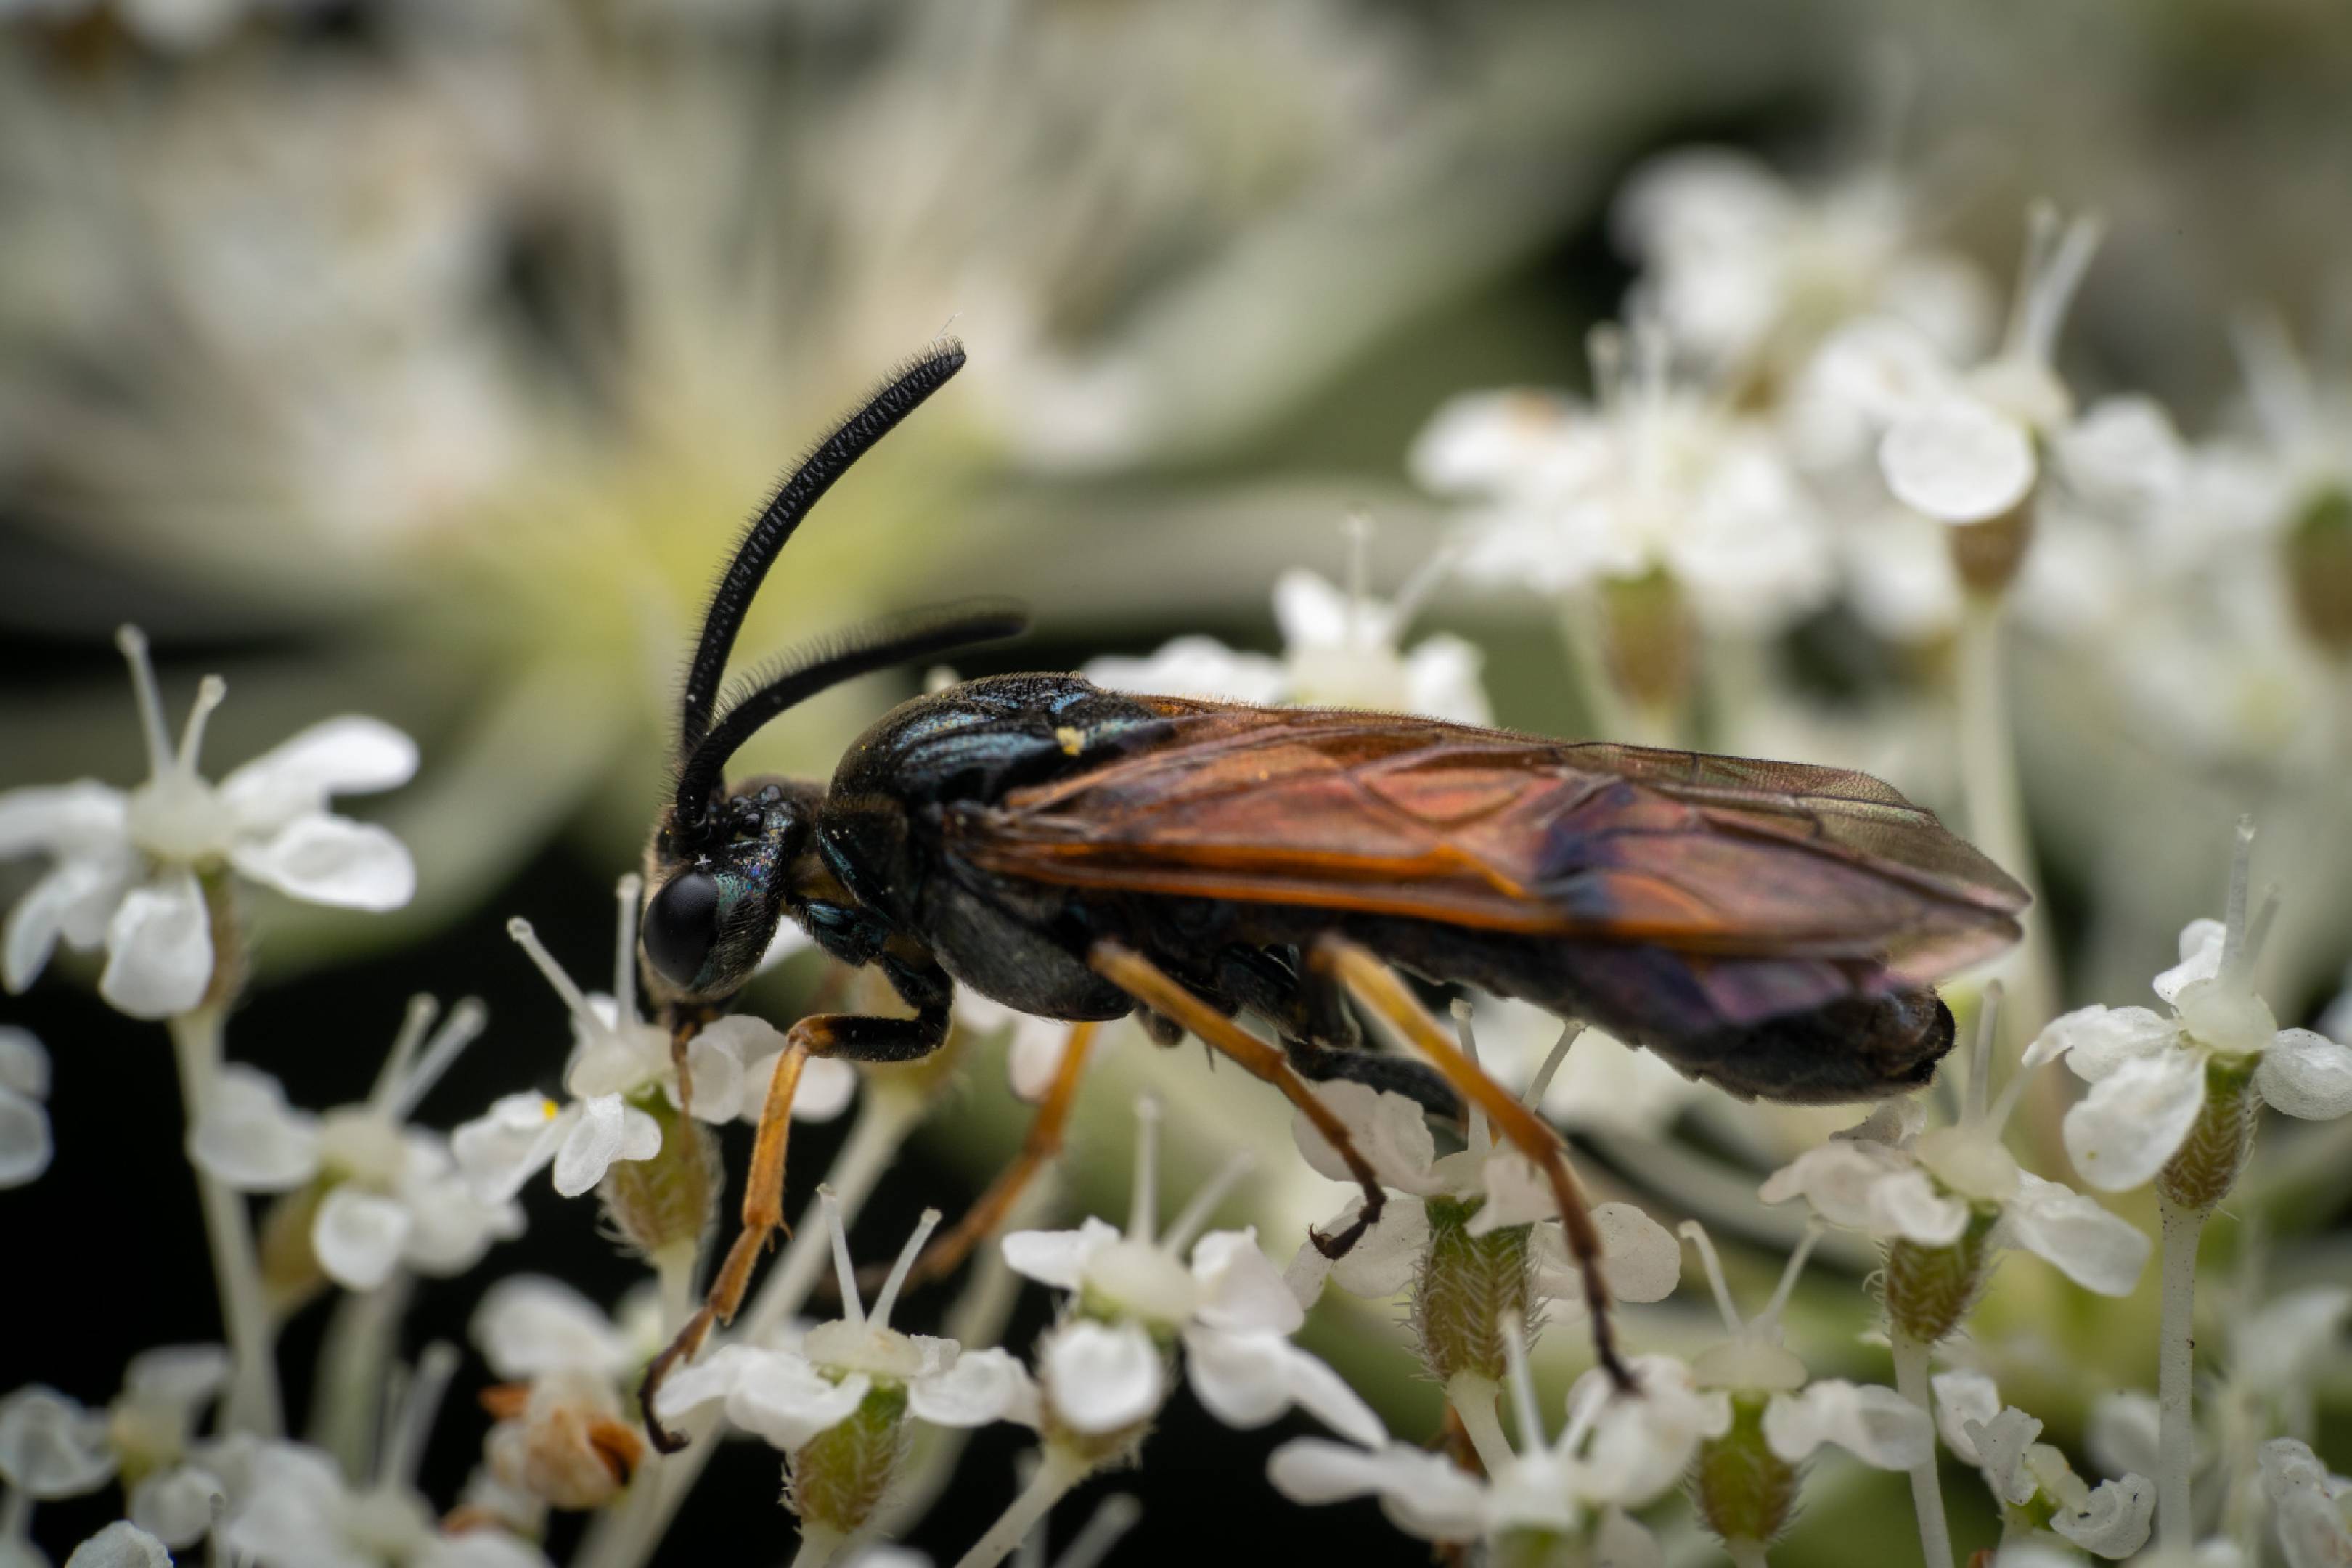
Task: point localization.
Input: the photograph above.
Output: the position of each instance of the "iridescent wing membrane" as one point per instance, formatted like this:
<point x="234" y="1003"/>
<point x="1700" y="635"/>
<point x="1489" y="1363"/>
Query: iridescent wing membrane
<point x="1490" y="830"/>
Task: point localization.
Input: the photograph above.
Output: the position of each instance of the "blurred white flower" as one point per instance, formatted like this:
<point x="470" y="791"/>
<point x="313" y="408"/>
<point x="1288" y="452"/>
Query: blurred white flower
<point x="1102" y="1369"/>
<point x="1652" y="477"/>
<point x="52" y="1446"/>
<point x="24" y="1143"/>
<point x="1602" y="1085"/>
<point x="388" y="1194"/>
<point x="793" y="1396"/>
<point x="1956" y="444"/>
<point x="1341" y="648"/>
<point x="122" y="1545"/>
<point x="296" y="1510"/>
<point x="620" y="1065"/>
<point x="1641" y="1260"/>
<point x="2311" y="1507"/>
<point x="1744" y="271"/>
<point x="2032" y="1480"/>
<point x="564" y="1435"/>
<point x="2150" y="1075"/>
<point x="125" y="868"/>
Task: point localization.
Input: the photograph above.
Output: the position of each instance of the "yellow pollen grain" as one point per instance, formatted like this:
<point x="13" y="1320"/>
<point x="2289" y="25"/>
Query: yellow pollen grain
<point x="1072" y="740"/>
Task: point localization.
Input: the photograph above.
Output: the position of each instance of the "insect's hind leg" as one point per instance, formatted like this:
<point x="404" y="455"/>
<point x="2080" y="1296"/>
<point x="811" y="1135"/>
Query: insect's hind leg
<point x="1372" y="982"/>
<point x="846" y="1035"/>
<point x="1310" y="1015"/>
<point x="1155" y="988"/>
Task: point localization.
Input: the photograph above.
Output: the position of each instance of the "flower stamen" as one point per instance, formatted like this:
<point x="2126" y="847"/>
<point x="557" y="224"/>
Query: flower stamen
<point x="1690" y="1230"/>
<point x="1143" y="1207"/>
<point x="411" y="1426"/>
<point x="1196" y="1214"/>
<point x="462" y="1028"/>
<point x="1569" y="1035"/>
<point x="528" y="940"/>
<point x="881" y="1318"/>
<point x="1522" y="1380"/>
<point x="132" y="642"/>
<point x="853" y="1309"/>
<point x="625" y="967"/>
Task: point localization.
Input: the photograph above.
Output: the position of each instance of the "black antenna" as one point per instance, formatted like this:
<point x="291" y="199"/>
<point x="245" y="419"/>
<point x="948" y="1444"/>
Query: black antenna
<point x="850" y="440"/>
<point x="919" y="634"/>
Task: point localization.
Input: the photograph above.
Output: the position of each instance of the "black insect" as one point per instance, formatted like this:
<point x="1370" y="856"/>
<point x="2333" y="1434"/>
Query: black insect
<point x="1086" y="854"/>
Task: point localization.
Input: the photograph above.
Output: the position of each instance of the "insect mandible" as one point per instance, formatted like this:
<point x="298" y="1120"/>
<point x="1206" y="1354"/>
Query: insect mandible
<point x="1080" y="854"/>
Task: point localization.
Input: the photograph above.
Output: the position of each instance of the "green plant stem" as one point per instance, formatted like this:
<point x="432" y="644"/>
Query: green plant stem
<point x="1748" y="1554"/>
<point x="1926" y="1492"/>
<point x="1057" y="1471"/>
<point x="253" y="1404"/>
<point x="347" y="1396"/>
<point x="2176" y="1355"/>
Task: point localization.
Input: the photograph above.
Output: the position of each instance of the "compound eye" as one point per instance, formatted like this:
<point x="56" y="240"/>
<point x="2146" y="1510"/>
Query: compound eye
<point x="680" y="927"/>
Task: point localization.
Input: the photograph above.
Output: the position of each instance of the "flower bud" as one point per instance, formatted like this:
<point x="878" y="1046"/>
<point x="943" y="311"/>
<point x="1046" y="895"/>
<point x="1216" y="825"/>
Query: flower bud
<point x="1469" y="1286"/>
<point x="1929" y="1289"/>
<point x="2319" y="569"/>
<point x="2207" y="1165"/>
<point x="564" y="1440"/>
<point x="664" y="1204"/>
<point x="1745" y="1492"/>
<point x="839" y="1478"/>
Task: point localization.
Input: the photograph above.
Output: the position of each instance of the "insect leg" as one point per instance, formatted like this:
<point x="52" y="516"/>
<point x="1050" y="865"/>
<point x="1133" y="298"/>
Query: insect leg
<point x="1163" y="994"/>
<point x="1309" y="1014"/>
<point x="1373" y="983"/>
<point x="846" y="1035"/>
<point x="1044" y="1143"/>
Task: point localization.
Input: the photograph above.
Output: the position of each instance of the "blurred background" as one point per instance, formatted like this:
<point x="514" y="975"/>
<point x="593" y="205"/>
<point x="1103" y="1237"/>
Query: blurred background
<point x="422" y="359"/>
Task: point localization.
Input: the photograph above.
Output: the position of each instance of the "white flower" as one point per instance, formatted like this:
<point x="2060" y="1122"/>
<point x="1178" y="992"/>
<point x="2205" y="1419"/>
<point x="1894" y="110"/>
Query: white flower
<point x="564" y="1435"/>
<point x="297" y="1512"/>
<point x="2033" y="1481"/>
<point x="2149" y="1074"/>
<point x="1341" y="648"/>
<point x="124" y="867"/>
<point x="791" y="1396"/>
<point x="1955" y="445"/>
<point x="620" y="1065"/>
<point x="1887" y="1178"/>
<point x="1654" y="479"/>
<point x="51" y="1446"/>
<point x="1871" y="1422"/>
<point x="391" y="1194"/>
<point x="1615" y="1454"/>
<point x="122" y="1545"/>
<point x="25" y="1144"/>
<point x="1642" y="1261"/>
<point x="1744" y="271"/>
<point x="2310" y="1508"/>
<point x="1134" y="1290"/>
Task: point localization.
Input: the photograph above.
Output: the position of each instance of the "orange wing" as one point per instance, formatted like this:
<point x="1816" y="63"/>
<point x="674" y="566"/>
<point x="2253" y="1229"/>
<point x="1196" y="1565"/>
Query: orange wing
<point x="1497" y="831"/>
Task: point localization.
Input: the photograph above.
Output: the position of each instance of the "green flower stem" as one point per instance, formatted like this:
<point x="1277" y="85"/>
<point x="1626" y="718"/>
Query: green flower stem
<point x="1058" y="1470"/>
<point x="253" y="1404"/>
<point x="2176" y="1434"/>
<point x="347" y="1398"/>
<point x="1473" y="1398"/>
<point x="1748" y="1554"/>
<point x="886" y="1115"/>
<point x="1927" y="1494"/>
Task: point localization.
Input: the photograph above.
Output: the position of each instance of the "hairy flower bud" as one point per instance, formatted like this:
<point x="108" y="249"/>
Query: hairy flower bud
<point x="664" y="1204"/>
<point x="1929" y="1289"/>
<point x="1469" y="1286"/>
<point x="2201" y="1173"/>
<point x="1745" y="1492"/>
<point x="839" y="1478"/>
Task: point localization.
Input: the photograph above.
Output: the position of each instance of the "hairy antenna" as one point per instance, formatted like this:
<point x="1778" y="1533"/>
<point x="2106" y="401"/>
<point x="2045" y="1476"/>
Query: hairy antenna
<point x="851" y="440"/>
<point x="919" y="634"/>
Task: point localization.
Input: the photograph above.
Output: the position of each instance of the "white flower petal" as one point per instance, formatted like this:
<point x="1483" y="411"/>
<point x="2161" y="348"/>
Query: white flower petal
<point x="331" y="860"/>
<point x="501" y="1149"/>
<point x="1100" y="1377"/>
<point x="1421" y="1491"/>
<point x="1517" y="1193"/>
<point x="1034" y="1058"/>
<point x="1310" y="610"/>
<point x="453" y="1228"/>
<point x="1957" y="460"/>
<point x="122" y="1545"/>
<point x="1624" y="1542"/>
<point x="2201" y="944"/>
<point x="26" y="1147"/>
<point x="1442" y="680"/>
<point x="348" y="756"/>
<point x="177" y="1506"/>
<point x="2287" y="1342"/>
<point x="1871" y="1421"/>
<point x="787" y="1401"/>
<point x="248" y="1137"/>
<point x="2115" y="1523"/>
<point x="1640" y="1448"/>
<point x="2135" y="1119"/>
<point x="1239" y="1377"/>
<point x="2121" y="1432"/>
<point x="1391" y="1130"/>
<point x="23" y="1063"/>
<point x="698" y="1383"/>
<point x="2095" y="1249"/>
<point x="609" y="1129"/>
<point x="1057" y="1258"/>
<point x="1326" y="1396"/>
<point x="2305" y="1507"/>
<point x="75" y="900"/>
<point x="826" y="1088"/>
<point x="529" y="1324"/>
<point x="980" y="1387"/>
<point x="51" y="1446"/>
<point x="2097" y="1040"/>
<point x="1908" y="1204"/>
<point x="159" y="949"/>
<point x="719" y="1083"/>
<point x="1641" y="1256"/>
<point x="2000" y="1446"/>
<point x="1386" y="1257"/>
<point x="180" y="1380"/>
<point x="63" y="820"/>
<point x="1962" y="1398"/>
<point x="1240" y="1286"/>
<point x="358" y="1236"/>
<point x="2306" y="1075"/>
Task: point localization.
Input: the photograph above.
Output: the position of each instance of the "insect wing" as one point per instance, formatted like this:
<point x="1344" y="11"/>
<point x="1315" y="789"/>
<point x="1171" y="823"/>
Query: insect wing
<point x="1497" y="831"/>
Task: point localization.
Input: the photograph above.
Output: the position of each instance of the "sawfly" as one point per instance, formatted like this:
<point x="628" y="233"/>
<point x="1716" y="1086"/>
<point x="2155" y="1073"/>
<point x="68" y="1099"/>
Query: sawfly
<point x="1079" y="854"/>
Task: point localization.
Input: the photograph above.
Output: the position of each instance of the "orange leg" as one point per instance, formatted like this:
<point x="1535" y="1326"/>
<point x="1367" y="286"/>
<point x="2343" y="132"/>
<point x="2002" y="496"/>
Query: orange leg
<point x="1156" y="989"/>
<point x="1044" y="1143"/>
<point x="820" y="1034"/>
<point x="1377" y="987"/>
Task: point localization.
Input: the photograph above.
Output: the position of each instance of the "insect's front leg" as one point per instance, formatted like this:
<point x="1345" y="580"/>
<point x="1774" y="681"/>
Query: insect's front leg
<point x="849" y="1036"/>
